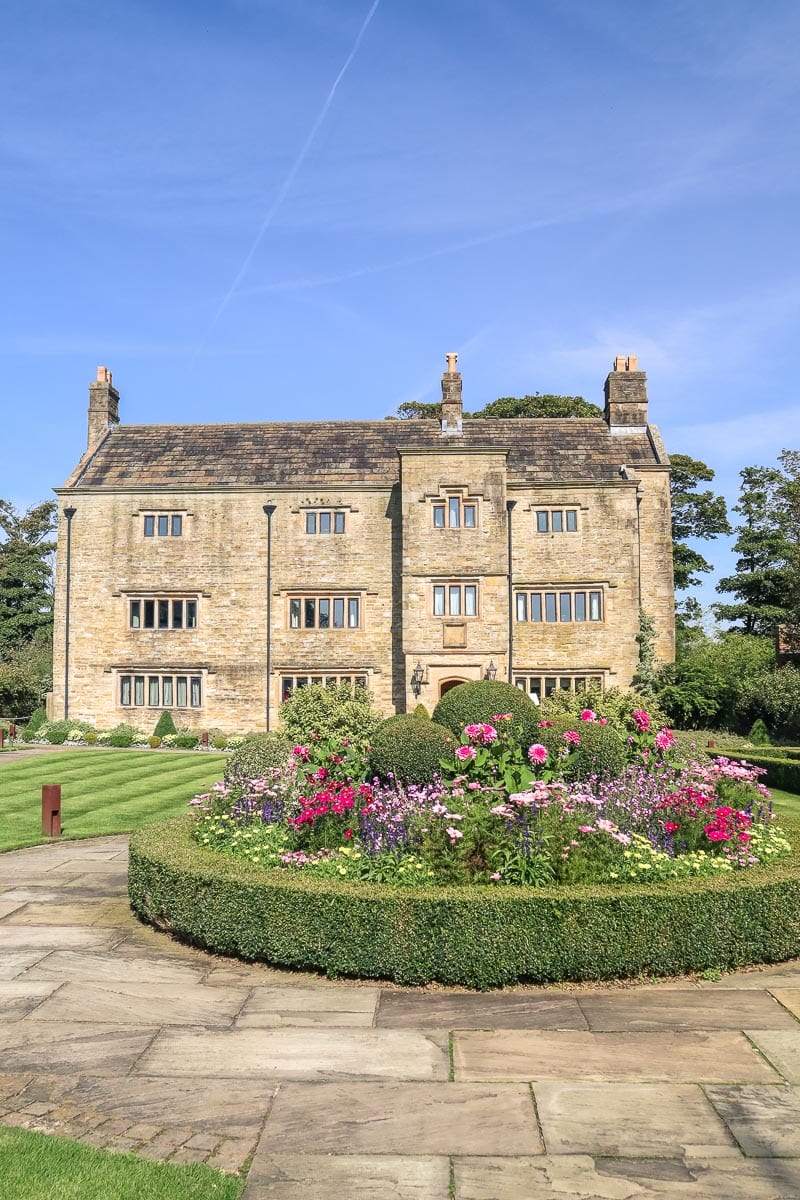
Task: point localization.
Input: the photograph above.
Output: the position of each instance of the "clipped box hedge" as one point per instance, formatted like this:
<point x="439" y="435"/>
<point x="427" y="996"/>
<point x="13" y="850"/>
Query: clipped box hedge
<point x="480" y="937"/>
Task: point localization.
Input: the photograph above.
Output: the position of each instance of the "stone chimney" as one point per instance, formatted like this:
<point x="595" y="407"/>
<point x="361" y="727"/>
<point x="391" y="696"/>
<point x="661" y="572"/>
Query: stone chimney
<point x="103" y="407"/>
<point x="451" y="396"/>
<point x="626" y="395"/>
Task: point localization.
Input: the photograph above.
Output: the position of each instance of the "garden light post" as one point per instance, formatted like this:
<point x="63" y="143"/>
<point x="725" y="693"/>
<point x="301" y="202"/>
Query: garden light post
<point x="510" y="506"/>
<point x="69" y="513"/>
<point x="269" y="509"/>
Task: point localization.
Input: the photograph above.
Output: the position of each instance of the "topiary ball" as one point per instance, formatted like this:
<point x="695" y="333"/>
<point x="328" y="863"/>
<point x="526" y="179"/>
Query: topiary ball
<point x="472" y="703"/>
<point x="257" y="755"/>
<point x="601" y="750"/>
<point x="410" y="748"/>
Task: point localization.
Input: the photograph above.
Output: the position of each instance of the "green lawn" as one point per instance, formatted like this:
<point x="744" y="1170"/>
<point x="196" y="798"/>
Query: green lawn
<point x="785" y="802"/>
<point x="38" y="1166"/>
<point x="102" y="791"/>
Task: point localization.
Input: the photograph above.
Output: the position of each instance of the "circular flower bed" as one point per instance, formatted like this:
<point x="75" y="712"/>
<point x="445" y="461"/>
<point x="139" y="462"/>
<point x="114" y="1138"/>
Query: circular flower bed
<point x="517" y="861"/>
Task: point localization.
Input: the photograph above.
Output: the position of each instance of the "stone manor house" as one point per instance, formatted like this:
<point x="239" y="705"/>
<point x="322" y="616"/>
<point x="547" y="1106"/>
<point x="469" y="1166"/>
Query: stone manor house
<point x="212" y="569"/>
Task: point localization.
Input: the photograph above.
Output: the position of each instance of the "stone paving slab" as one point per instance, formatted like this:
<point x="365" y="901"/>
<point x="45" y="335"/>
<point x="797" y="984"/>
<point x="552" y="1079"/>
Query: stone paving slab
<point x="581" y="1177"/>
<point x="789" y="997"/>
<point x="7" y="907"/>
<point x="54" y="937"/>
<point x="777" y="974"/>
<point x="299" y="1054"/>
<point x="417" y="1118"/>
<point x="17" y="999"/>
<point x="205" y="1105"/>
<point x="14" y="962"/>
<point x="529" y="1055"/>
<point x="679" y="1010"/>
<point x="623" y="1119"/>
<point x="351" y="1177"/>
<point x="764" y="1120"/>
<point x="153" y="1003"/>
<point x="82" y="912"/>
<point x="113" y="965"/>
<point x="526" y="1010"/>
<point x="267" y="1007"/>
<point x="782" y="1049"/>
<point x="68" y="1048"/>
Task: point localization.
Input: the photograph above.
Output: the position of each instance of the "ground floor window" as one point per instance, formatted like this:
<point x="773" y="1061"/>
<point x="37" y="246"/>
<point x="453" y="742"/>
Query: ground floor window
<point x="160" y="691"/>
<point x="539" y="686"/>
<point x="289" y="683"/>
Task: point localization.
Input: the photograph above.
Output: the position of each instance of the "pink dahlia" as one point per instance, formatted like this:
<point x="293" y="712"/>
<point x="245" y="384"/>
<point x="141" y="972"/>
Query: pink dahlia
<point x="465" y="753"/>
<point x="665" y="739"/>
<point x="641" y="720"/>
<point x="572" y="737"/>
<point x="588" y="714"/>
<point x="537" y="754"/>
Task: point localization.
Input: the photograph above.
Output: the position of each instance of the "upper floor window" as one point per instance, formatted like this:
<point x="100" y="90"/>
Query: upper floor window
<point x="163" y="524"/>
<point x="455" y="513"/>
<point x="559" y="607"/>
<point x="325" y="522"/>
<point x="455" y="600"/>
<point x="556" y="520"/>
<point x="162" y="613"/>
<point x="324" y="612"/>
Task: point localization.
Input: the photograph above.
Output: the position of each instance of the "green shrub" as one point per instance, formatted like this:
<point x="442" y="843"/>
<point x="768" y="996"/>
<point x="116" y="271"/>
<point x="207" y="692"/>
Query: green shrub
<point x="257" y="755"/>
<point x="759" y="734"/>
<point x="219" y="743"/>
<point x="341" y="711"/>
<point x="470" y="936"/>
<point x="473" y="703"/>
<point x="54" y="732"/>
<point x="164" y="724"/>
<point x="421" y="711"/>
<point x="186" y="741"/>
<point x="91" y="738"/>
<point x="154" y="742"/>
<point x="773" y="696"/>
<point x="615" y="704"/>
<point x="601" y="752"/>
<point x="410" y="748"/>
<point x="120" y="738"/>
<point x="38" y="719"/>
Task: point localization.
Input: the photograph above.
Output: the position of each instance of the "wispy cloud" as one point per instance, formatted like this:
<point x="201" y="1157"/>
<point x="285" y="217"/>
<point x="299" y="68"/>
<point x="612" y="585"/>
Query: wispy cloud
<point x="283" y="190"/>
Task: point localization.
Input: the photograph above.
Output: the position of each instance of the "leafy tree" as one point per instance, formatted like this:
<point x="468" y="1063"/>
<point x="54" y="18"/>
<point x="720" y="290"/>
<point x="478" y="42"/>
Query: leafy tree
<point x="26" y="574"/>
<point x="547" y="405"/>
<point x="509" y="407"/>
<point x="696" y="515"/>
<point x="26" y="676"/>
<point x="645" y="678"/>
<point x="417" y="410"/>
<point x="704" y="686"/>
<point x="763" y="581"/>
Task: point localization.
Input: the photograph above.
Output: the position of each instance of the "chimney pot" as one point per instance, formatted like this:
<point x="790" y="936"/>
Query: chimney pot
<point x="103" y="407"/>
<point x="451" y="396"/>
<point x="626" y="394"/>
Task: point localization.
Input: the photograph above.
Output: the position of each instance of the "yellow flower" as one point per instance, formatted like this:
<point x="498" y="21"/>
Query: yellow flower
<point x="342" y="870"/>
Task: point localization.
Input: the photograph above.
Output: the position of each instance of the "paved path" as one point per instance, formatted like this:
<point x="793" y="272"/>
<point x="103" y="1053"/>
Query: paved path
<point x="112" y="1033"/>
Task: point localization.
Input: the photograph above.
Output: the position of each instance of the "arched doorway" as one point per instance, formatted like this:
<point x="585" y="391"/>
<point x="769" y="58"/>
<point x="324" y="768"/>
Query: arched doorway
<point x="447" y="684"/>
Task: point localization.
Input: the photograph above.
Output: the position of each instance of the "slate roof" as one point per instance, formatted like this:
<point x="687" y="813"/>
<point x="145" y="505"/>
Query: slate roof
<point x="263" y="455"/>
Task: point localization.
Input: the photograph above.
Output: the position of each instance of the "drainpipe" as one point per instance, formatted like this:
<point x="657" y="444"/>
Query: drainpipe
<point x="510" y="506"/>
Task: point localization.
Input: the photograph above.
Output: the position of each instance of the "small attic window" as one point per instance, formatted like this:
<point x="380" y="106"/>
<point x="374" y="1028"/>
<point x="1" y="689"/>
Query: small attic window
<point x="163" y="525"/>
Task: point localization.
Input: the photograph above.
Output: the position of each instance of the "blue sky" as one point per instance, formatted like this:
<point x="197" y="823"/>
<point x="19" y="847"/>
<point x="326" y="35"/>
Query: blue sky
<point x="261" y="209"/>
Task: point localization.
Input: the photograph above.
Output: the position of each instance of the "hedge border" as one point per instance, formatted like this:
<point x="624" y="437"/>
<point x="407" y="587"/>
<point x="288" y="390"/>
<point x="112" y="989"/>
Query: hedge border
<point x="782" y="773"/>
<point x="478" y="937"/>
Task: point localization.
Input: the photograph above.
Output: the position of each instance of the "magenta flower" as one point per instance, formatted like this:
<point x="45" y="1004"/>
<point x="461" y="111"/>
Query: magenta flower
<point x="465" y="753"/>
<point x="453" y="833"/>
<point x="572" y="737"/>
<point x="602" y="720"/>
<point x="588" y="714"/>
<point x="482" y="733"/>
<point x="537" y="754"/>
<point x="641" y="720"/>
<point x="545" y="725"/>
<point x="665" y="739"/>
<point x="501" y="717"/>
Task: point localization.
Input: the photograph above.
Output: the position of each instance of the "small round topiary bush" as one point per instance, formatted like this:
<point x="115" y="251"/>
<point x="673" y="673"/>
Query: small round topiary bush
<point x="154" y="742"/>
<point x="410" y="748"/>
<point x="91" y="738"/>
<point x="257" y="755"/>
<point x="472" y="703"/>
<point x="601" y="750"/>
<point x="165" y="724"/>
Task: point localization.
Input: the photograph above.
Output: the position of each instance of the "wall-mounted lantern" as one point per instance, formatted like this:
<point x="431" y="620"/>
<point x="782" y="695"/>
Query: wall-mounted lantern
<point x="491" y="670"/>
<point x="417" y="678"/>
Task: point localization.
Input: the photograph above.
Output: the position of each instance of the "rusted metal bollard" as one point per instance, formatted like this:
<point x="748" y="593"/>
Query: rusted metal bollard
<point x="12" y="731"/>
<point x="2" y="737"/>
<point x="203" y="739"/>
<point x="51" y="810"/>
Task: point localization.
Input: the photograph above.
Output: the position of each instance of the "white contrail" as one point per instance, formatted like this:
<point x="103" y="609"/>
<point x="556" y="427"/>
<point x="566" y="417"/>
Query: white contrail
<point x="295" y="167"/>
